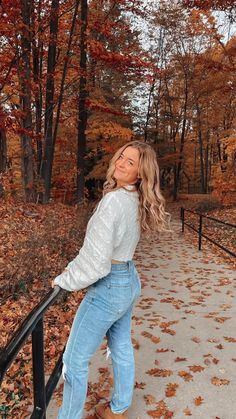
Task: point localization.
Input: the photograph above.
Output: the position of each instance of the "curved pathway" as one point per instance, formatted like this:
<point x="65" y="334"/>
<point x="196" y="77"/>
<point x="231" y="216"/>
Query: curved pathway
<point x="184" y="335"/>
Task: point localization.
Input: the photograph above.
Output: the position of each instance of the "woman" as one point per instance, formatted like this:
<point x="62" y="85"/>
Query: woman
<point x="132" y="203"/>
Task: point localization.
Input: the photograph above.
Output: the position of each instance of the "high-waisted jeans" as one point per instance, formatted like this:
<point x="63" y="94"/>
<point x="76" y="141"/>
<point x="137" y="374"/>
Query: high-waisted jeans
<point x="105" y="310"/>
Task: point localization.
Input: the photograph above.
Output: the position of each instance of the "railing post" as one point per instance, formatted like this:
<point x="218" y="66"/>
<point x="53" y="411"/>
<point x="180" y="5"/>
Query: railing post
<point x="200" y="233"/>
<point x="38" y="372"/>
<point x="182" y="217"/>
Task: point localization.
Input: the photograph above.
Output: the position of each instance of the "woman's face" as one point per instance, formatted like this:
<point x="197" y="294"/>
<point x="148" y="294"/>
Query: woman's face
<point x="126" y="167"/>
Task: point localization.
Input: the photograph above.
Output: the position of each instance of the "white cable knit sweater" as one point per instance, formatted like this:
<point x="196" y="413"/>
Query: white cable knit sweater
<point x="112" y="232"/>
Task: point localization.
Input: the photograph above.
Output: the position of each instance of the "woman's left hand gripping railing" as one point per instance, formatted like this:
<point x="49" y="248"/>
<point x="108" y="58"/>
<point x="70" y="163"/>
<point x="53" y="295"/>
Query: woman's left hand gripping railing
<point x="34" y="324"/>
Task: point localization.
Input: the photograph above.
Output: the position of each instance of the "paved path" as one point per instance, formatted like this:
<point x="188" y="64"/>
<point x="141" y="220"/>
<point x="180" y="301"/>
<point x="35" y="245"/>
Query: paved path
<point x="184" y="334"/>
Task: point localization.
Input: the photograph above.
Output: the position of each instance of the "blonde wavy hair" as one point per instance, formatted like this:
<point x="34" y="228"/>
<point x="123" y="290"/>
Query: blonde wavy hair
<point x="152" y="214"/>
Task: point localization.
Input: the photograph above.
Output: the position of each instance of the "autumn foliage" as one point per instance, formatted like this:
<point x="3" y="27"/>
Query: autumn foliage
<point x="53" y="73"/>
<point x="171" y="84"/>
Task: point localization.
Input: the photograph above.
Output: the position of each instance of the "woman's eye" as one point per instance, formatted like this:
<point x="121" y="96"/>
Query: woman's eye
<point x="130" y="163"/>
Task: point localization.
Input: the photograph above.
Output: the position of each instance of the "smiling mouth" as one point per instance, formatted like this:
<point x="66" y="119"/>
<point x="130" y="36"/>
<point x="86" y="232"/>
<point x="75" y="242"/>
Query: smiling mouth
<point x="120" y="170"/>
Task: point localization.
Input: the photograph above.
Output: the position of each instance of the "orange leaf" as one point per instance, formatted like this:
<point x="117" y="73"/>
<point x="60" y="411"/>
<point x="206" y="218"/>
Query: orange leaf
<point x="155" y="339"/>
<point x="140" y="385"/>
<point x="178" y="359"/>
<point x="196" y="339"/>
<point x="135" y="343"/>
<point x="187" y="412"/>
<point x="156" y="372"/>
<point x="198" y="401"/>
<point x="196" y="368"/>
<point x="171" y="389"/>
<point x="185" y="375"/>
<point x="149" y="399"/>
<point x="219" y="381"/>
<point x="222" y="319"/>
<point x="229" y="339"/>
<point x="155" y="413"/>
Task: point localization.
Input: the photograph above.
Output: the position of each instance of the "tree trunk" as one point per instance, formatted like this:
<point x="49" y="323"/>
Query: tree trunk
<point x="48" y="130"/>
<point x="60" y="98"/>
<point x="157" y="113"/>
<point x="206" y="170"/>
<point x="172" y="136"/>
<point x="148" y="110"/>
<point x="83" y="116"/>
<point x="220" y="154"/>
<point x="207" y="164"/>
<point x="37" y="57"/>
<point x="158" y="95"/>
<point x="182" y="138"/>
<point x="25" y="80"/>
<point x="175" y="183"/>
<point x="201" y="150"/>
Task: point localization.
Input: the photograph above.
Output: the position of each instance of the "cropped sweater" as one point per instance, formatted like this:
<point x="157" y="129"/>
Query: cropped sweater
<point x="112" y="232"/>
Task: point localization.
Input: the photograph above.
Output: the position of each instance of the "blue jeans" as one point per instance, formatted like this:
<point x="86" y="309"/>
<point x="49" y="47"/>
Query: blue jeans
<point x="105" y="310"/>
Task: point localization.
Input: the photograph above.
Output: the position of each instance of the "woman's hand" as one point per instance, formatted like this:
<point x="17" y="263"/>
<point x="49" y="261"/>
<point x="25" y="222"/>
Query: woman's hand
<point x="53" y="285"/>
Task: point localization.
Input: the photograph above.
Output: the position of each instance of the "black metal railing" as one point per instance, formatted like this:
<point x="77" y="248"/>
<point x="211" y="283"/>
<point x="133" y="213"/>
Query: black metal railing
<point x="33" y="324"/>
<point x="199" y="230"/>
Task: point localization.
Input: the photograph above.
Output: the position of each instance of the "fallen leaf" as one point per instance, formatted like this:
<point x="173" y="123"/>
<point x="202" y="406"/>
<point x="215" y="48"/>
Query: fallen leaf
<point x="196" y="368"/>
<point x="155" y="339"/>
<point x="229" y="339"/>
<point x="219" y="381"/>
<point x="196" y="339"/>
<point x="198" y="401"/>
<point x="222" y="319"/>
<point x="103" y="394"/>
<point x="178" y="359"/>
<point x="135" y="343"/>
<point x="140" y="385"/>
<point x="220" y="346"/>
<point x="187" y="412"/>
<point x="148" y="335"/>
<point x="171" y="389"/>
<point x="155" y="413"/>
<point x="185" y="375"/>
<point x="149" y="399"/>
<point x="156" y="372"/>
<point x="161" y="411"/>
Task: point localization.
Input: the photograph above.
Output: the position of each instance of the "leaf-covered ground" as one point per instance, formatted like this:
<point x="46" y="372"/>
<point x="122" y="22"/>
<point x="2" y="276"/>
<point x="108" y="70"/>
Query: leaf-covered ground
<point x="36" y="243"/>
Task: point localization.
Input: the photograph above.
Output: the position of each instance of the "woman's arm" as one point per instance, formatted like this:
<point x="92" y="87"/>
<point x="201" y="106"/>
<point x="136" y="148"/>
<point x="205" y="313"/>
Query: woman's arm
<point x="94" y="259"/>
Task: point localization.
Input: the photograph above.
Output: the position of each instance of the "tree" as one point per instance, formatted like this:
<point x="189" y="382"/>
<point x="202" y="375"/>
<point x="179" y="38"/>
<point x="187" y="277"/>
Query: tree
<point x="49" y="103"/>
<point x="24" y="68"/>
<point x="83" y="115"/>
<point x="186" y="103"/>
<point x="37" y="58"/>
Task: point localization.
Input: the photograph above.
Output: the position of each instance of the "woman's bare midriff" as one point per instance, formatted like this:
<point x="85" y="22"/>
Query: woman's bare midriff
<point x="117" y="261"/>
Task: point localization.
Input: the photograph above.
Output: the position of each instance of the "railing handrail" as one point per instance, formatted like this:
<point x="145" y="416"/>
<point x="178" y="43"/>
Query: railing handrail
<point x="33" y="324"/>
<point x="199" y="230"/>
<point x="210" y="218"/>
<point x="10" y="351"/>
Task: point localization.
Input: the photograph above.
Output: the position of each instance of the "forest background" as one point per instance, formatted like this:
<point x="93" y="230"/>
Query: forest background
<point x="78" y="79"/>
